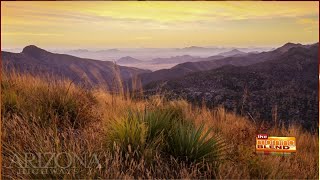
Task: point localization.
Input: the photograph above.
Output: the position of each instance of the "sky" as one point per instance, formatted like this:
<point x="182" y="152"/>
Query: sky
<point x="157" y="24"/>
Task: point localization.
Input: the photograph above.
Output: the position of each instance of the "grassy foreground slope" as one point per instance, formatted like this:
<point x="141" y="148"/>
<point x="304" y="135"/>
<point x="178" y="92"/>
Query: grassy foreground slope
<point x="131" y="138"/>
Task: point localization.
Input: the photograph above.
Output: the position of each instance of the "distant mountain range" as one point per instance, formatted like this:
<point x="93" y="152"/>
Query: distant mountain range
<point x="175" y="59"/>
<point x="169" y="62"/>
<point x="161" y="63"/>
<point x="233" y="52"/>
<point x="282" y="82"/>
<point x="81" y="70"/>
<point x="179" y="59"/>
<point x="213" y="62"/>
<point x="128" y="60"/>
<point x="148" y="54"/>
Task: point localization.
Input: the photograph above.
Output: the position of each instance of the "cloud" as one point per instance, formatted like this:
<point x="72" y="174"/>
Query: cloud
<point x="309" y="24"/>
<point x="161" y="12"/>
<point x="166" y="22"/>
<point x="29" y="34"/>
<point x="308" y="21"/>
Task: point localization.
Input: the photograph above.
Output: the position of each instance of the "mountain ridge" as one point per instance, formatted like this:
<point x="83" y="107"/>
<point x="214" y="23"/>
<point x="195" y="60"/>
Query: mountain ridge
<point x="128" y="60"/>
<point x="288" y="83"/>
<point x="233" y="52"/>
<point x="211" y="62"/>
<point x="82" y="70"/>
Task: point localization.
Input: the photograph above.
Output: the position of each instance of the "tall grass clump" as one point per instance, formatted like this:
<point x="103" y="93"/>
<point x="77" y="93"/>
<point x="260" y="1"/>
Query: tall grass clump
<point x="192" y="144"/>
<point x="140" y="133"/>
<point x="57" y="101"/>
<point x="163" y="131"/>
<point x="41" y="117"/>
<point x="160" y="123"/>
<point x="128" y="135"/>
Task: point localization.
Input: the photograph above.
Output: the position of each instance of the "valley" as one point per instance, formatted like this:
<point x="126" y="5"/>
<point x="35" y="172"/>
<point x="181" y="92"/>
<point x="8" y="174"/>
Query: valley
<point x="250" y="84"/>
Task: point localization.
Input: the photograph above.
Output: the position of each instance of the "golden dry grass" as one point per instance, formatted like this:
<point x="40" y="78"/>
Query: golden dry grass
<point x="25" y="131"/>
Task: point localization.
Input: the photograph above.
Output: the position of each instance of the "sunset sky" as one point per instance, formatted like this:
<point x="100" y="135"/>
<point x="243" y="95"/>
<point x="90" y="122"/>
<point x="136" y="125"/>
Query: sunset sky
<point x="157" y="24"/>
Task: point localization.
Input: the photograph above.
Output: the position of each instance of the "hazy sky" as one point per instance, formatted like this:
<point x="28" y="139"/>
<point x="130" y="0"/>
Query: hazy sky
<point x="157" y="24"/>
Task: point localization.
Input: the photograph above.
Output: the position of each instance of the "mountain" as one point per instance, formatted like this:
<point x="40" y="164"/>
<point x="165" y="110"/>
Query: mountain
<point x="195" y="48"/>
<point x="79" y="51"/>
<point x="109" y="51"/>
<point x="175" y="59"/>
<point x="285" y="85"/>
<point x="128" y="60"/>
<point x="107" y="54"/>
<point x="248" y="59"/>
<point x="209" y="63"/>
<point x="81" y="70"/>
<point x="233" y="52"/>
<point x="174" y="72"/>
<point x="288" y="46"/>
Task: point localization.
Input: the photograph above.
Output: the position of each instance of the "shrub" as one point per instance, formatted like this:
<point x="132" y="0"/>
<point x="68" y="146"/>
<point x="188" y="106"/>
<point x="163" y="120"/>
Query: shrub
<point x="163" y="130"/>
<point x="159" y="123"/>
<point x="58" y="102"/>
<point x="191" y="144"/>
<point x="10" y="102"/>
<point x="75" y="107"/>
<point x="128" y="135"/>
<point x="142" y="133"/>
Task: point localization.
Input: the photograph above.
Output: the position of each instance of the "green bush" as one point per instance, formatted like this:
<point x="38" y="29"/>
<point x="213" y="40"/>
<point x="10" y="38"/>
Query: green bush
<point x="141" y="133"/>
<point x="128" y="135"/>
<point x="159" y="123"/>
<point x="191" y="144"/>
<point x="163" y="131"/>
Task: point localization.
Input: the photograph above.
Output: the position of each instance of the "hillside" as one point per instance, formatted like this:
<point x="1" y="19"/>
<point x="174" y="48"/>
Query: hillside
<point x="176" y="71"/>
<point x="282" y="89"/>
<point x="116" y="137"/>
<point x="80" y="70"/>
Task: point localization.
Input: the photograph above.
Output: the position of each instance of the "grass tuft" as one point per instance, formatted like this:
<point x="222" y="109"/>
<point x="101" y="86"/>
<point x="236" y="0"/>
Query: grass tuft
<point x="128" y="135"/>
<point x="192" y="144"/>
<point x="57" y="102"/>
